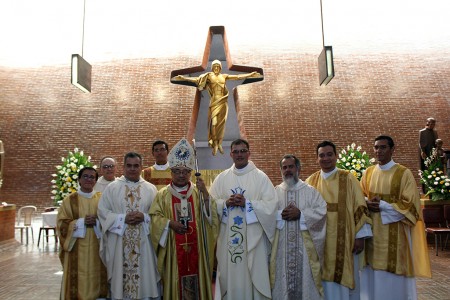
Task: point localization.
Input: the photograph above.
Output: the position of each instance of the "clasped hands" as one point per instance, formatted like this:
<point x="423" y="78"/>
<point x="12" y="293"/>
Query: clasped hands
<point x="236" y="200"/>
<point x="90" y="220"/>
<point x="290" y="213"/>
<point x="134" y="218"/>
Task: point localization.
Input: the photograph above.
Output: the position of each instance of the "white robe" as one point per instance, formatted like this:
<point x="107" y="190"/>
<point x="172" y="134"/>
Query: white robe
<point x="126" y="250"/>
<point x="101" y="184"/>
<point x="245" y="237"/>
<point x="298" y="256"/>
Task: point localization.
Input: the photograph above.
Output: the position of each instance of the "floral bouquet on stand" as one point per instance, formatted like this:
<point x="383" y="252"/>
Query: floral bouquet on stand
<point x="434" y="178"/>
<point x="65" y="181"/>
<point x="352" y="159"/>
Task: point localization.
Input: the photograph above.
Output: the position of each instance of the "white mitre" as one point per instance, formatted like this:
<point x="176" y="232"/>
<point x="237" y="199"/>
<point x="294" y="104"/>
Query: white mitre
<point x="182" y="155"/>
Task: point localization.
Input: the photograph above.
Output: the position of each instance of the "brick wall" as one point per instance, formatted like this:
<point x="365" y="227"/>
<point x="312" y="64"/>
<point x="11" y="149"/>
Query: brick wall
<point x="132" y="103"/>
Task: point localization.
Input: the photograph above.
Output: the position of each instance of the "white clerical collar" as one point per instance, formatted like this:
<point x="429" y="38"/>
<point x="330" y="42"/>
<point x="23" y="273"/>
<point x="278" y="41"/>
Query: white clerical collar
<point x="161" y="167"/>
<point x="84" y="194"/>
<point x="242" y="170"/>
<point x="325" y="175"/>
<point x="129" y="180"/>
<point x="104" y="180"/>
<point x="387" y="166"/>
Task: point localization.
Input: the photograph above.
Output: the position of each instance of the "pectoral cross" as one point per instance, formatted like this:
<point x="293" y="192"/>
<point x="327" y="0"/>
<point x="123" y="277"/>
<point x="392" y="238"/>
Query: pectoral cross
<point x="184" y="212"/>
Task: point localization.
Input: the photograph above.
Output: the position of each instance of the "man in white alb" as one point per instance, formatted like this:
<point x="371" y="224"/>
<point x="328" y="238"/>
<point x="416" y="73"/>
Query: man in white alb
<point x="126" y="248"/>
<point x="247" y="207"/>
<point x="298" y="249"/>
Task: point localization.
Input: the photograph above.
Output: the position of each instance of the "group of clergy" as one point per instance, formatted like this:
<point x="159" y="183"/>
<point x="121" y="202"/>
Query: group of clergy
<point x="159" y="232"/>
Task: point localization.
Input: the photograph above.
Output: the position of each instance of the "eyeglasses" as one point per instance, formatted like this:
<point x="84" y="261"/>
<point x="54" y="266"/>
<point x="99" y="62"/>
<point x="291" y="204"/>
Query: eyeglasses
<point x="181" y="172"/>
<point x="108" y="166"/>
<point x="88" y="177"/>
<point x="159" y="150"/>
<point x="239" y="151"/>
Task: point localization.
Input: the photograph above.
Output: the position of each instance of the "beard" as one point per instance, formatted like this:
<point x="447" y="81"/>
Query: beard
<point x="291" y="180"/>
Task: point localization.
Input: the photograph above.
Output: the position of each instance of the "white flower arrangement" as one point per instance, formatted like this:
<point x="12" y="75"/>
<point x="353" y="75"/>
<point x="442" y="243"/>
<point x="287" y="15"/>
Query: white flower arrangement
<point x="352" y="159"/>
<point x="65" y="181"/>
<point x="434" y="178"/>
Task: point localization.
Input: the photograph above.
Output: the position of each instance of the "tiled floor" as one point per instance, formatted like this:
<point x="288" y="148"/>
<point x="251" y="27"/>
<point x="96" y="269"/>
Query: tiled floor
<point x="31" y="272"/>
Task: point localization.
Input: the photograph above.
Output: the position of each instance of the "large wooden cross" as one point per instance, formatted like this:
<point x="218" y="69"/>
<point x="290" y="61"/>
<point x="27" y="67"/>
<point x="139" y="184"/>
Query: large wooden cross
<point x="216" y="49"/>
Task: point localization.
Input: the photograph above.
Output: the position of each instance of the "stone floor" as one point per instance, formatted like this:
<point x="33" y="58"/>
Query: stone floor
<point x="32" y="272"/>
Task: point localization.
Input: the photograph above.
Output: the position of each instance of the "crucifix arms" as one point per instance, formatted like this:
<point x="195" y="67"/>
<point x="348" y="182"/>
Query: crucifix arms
<point x="195" y="80"/>
<point x="185" y="78"/>
<point x="253" y="74"/>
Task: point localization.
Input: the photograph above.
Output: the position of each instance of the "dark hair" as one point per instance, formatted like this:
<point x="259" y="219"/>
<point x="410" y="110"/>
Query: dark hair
<point x="132" y="155"/>
<point x="324" y="144"/>
<point x="387" y="138"/>
<point x="160" y="142"/>
<point x="287" y="156"/>
<point x="105" y="157"/>
<point x="80" y="173"/>
<point x="240" y="142"/>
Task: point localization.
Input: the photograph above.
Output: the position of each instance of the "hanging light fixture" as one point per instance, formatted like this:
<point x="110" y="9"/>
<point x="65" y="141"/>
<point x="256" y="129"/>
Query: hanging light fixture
<point x="81" y="69"/>
<point x="326" y="65"/>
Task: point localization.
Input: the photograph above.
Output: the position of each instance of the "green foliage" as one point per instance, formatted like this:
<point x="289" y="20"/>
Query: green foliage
<point x="434" y="178"/>
<point x="65" y="181"/>
<point x="353" y="160"/>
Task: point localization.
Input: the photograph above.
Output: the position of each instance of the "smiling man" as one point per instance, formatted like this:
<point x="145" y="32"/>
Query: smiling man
<point x="159" y="173"/>
<point x="108" y="172"/>
<point x="247" y="206"/>
<point x="127" y="250"/>
<point x="347" y="224"/>
<point x="398" y="232"/>
<point x="79" y="232"/>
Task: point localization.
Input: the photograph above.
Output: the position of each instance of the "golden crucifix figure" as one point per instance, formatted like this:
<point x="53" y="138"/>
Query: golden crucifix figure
<point x="215" y="83"/>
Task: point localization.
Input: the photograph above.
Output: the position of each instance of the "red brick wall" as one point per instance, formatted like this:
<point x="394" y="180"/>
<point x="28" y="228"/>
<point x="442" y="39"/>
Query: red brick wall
<point x="42" y="116"/>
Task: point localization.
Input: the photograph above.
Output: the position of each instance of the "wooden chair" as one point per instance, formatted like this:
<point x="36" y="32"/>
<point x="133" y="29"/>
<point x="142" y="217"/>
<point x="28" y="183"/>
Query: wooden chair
<point x="435" y="224"/>
<point x="25" y="217"/>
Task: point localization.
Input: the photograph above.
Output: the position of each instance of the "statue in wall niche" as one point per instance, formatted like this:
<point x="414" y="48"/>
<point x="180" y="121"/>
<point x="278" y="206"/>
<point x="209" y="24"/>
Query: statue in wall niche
<point x="215" y="83"/>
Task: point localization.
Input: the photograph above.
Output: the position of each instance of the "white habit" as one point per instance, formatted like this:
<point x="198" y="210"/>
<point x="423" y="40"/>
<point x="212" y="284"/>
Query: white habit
<point x="126" y="250"/>
<point x="297" y="253"/>
<point x="246" y="234"/>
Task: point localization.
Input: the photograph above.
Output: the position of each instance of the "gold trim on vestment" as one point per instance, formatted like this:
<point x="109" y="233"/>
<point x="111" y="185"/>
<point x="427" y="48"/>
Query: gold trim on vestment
<point x="73" y="257"/>
<point x="340" y="240"/>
